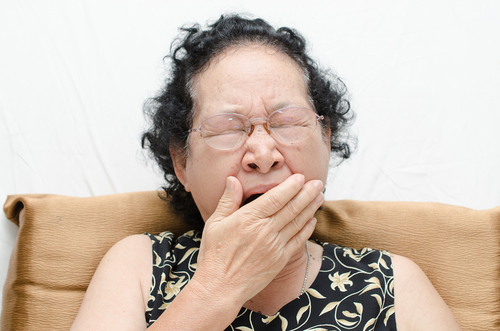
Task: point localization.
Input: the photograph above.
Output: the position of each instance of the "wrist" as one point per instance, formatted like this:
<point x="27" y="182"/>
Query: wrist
<point x="198" y="307"/>
<point x="217" y="294"/>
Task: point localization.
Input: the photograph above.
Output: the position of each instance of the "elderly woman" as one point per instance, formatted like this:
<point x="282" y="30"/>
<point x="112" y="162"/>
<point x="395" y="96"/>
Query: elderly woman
<point x="244" y="132"/>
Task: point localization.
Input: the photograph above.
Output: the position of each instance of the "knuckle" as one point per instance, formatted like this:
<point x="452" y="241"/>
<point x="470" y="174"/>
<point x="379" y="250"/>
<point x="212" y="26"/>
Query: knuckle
<point x="275" y="201"/>
<point x="293" y="207"/>
<point x="224" y="204"/>
<point x="298" y="223"/>
<point x="264" y="208"/>
<point x="269" y="234"/>
<point x="253" y="213"/>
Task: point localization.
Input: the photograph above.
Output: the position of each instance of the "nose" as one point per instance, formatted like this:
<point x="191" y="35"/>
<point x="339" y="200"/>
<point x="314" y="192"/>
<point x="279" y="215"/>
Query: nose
<point x="256" y="121"/>
<point x="261" y="153"/>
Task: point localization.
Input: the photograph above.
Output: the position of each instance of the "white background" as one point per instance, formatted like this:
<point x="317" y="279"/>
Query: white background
<point x="424" y="78"/>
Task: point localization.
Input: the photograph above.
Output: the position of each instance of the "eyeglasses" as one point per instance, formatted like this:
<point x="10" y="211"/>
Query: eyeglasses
<point x="229" y="131"/>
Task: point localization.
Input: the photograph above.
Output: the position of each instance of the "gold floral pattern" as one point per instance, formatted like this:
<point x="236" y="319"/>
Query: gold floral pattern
<point x="340" y="281"/>
<point x="354" y="289"/>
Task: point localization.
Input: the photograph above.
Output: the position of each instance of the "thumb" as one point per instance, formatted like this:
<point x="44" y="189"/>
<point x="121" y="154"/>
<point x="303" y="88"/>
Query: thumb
<point x="230" y="200"/>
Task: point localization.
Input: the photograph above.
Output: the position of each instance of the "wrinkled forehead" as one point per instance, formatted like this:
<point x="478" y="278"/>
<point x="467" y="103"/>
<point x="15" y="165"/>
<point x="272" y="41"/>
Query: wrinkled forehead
<point x="233" y="59"/>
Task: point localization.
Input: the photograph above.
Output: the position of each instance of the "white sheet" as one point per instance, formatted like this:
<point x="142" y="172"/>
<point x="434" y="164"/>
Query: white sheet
<point x="424" y="78"/>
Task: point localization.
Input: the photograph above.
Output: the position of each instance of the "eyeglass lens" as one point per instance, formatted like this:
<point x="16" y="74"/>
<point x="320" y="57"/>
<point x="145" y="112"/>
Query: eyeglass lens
<point x="288" y="125"/>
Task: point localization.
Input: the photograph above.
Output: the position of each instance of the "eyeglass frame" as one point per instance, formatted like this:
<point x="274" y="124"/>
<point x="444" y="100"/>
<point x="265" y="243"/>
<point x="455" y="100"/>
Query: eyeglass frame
<point x="252" y="125"/>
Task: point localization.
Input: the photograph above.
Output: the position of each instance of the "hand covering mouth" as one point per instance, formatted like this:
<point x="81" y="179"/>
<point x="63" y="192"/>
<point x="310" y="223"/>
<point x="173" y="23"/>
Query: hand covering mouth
<point x="251" y="198"/>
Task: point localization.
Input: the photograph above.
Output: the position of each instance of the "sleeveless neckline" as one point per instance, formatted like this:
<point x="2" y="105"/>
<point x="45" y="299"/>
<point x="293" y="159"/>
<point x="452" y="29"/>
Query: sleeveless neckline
<point x="352" y="291"/>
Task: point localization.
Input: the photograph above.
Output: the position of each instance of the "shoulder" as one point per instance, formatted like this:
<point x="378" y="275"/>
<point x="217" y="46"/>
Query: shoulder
<point x="409" y="278"/>
<point x="121" y="284"/>
<point x="126" y="265"/>
<point x="133" y="243"/>
<point x="406" y="271"/>
<point x="128" y="252"/>
<point x="418" y="304"/>
<point x="137" y="251"/>
<point x="134" y="256"/>
<point x="127" y="261"/>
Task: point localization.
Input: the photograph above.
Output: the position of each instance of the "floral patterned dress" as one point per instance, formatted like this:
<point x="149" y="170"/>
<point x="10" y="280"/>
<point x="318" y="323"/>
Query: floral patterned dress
<point x="354" y="290"/>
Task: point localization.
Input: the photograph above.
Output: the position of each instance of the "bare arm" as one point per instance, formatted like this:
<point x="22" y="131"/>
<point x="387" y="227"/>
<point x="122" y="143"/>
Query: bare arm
<point x="115" y="298"/>
<point x="418" y="305"/>
<point x="118" y="294"/>
<point x="241" y="251"/>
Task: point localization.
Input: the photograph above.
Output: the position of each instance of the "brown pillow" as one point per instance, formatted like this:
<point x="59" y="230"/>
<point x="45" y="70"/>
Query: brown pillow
<point x="62" y="239"/>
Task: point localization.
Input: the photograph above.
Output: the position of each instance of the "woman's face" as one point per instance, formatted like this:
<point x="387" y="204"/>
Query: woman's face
<point x="254" y="81"/>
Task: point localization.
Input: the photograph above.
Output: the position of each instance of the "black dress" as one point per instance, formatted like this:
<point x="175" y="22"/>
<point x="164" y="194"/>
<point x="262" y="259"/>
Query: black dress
<point x="354" y="290"/>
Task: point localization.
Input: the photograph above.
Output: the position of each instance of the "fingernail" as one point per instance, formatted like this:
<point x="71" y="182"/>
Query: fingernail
<point x="319" y="198"/>
<point x="229" y="184"/>
<point x="300" y="178"/>
<point x="313" y="221"/>
<point x="318" y="185"/>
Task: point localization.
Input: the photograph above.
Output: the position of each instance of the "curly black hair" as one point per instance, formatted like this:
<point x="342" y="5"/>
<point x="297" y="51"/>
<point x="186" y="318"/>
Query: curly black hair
<point x="171" y="111"/>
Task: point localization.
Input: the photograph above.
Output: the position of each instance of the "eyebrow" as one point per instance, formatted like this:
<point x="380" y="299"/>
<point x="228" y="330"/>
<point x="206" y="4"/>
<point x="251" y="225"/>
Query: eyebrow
<point x="240" y="111"/>
<point x="281" y="105"/>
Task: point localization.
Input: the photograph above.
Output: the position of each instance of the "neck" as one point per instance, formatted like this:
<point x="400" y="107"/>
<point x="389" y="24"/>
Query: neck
<point x="285" y="287"/>
<point x="294" y="270"/>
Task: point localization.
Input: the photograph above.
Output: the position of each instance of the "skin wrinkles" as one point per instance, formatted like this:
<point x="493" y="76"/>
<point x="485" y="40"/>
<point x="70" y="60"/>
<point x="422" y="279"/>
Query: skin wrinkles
<point x="251" y="256"/>
<point x="252" y="81"/>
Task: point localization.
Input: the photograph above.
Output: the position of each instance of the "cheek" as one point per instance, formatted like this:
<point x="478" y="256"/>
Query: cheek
<point x="311" y="160"/>
<point x="324" y="161"/>
<point x="206" y="173"/>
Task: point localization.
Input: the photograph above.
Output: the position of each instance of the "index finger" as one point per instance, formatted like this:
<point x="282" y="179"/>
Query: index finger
<point x="276" y="198"/>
